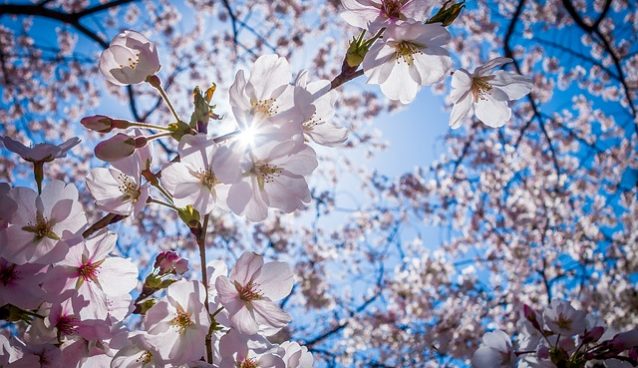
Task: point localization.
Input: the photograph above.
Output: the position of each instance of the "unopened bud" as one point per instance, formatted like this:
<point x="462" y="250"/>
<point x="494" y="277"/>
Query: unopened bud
<point x="447" y="14"/>
<point x="530" y="315"/>
<point x="626" y="340"/>
<point x="154" y="81"/>
<point x="357" y="51"/>
<point x="593" y="335"/>
<point x="170" y="262"/>
<point x="190" y="216"/>
<point x="115" y="148"/>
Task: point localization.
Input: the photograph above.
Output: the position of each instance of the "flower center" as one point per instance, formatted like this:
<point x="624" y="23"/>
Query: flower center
<point x="206" y="178"/>
<point x="265" y="108"/>
<point x="392" y="8"/>
<point x="406" y="50"/>
<point x="265" y="173"/>
<point x="564" y="323"/>
<point x="182" y="321"/>
<point x="128" y="187"/>
<point x="131" y="62"/>
<point x="249" y="292"/>
<point x="43" y="228"/>
<point x="481" y="86"/>
<point x="309" y="125"/>
<point x="248" y="363"/>
<point x="67" y="325"/>
<point x="88" y="270"/>
<point x="8" y="274"/>
<point x="145" y="358"/>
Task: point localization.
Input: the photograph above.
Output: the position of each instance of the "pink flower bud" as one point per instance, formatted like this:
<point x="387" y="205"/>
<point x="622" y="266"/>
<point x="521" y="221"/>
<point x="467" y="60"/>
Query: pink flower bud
<point x="543" y="352"/>
<point x="593" y="335"/>
<point x="98" y="123"/>
<point x="626" y="340"/>
<point x="530" y="315"/>
<point x="169" y="262"/>
<point x="115" y="148"/>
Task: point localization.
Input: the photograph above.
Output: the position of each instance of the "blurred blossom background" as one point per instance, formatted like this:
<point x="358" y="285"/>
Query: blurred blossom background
<point x="418" y="238"/>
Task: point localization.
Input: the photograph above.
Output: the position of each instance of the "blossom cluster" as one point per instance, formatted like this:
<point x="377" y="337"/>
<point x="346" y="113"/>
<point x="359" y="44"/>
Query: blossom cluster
<point x="559" y="336"/>
<point x="79" y="306"/>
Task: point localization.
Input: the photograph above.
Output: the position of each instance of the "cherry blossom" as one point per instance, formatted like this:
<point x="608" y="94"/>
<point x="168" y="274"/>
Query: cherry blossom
<point x="376" y="14"/>
<point x="274" y="177"/>
<point x="119" y="189"/>
<point x="20" y="284"/>
<point x="263" y="103"/>
<point x="178" y="324"/>
<point x="199" y="178"/>
<point x="410" y="56"/>
<point x="318" y="127"/>
<point x="488" y="92"/>
<point x="296" y="356"/>
<point x="42" y="152"/>
<point x="129" y="59"/>
<point x="561" y="318"/>
<point x="140" y="353"/>
<point x="250" y="291"/>
<point x="96" y="276"/>
<point x="239" y="350"/>
<point x="41" y="222"/>
<point x="495" y="351"/>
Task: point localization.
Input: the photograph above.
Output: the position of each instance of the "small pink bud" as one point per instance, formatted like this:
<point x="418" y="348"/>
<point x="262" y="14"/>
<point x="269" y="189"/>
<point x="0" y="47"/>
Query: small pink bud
<point x="543" y="352"/>
<point x="593" y="335"/>
<point x="98" y="123"/>
<point x="530" y="315"/>
<point x="170" y="262"/>
<point x="140" y="142"/>
<point x="115" y="148"/>
<point x="626" y="340"/>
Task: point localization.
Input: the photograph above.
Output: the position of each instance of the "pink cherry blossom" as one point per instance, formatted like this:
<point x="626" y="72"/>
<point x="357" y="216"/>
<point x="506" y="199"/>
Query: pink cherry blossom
<point x="170" y="262"/>
<point x="20" y="284"/>
<point x="129" y="59"/>
<point x="375" y="14"/>
<point x="250" y="291"/>
<point x="95" y="275"/>
<point x="178" y="324"/>
<point x="41" y="222"/>
<point x="139" y="353"/>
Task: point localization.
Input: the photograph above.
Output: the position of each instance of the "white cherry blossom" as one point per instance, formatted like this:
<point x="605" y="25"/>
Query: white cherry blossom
<point x="487" y="92"/>
<point x="274" y="176"/>
<point x="410" y="56"/>
<point x="202" y="175"/>
<point x="129" y="59"/>
<point x="119" y="189"/>
<point x="178" y="324"/>
<point x="40" y="222"/>
<point x="495" y="351"/>
<point x="561" y="318"/>
<point x="41" y="152"/>
<point x="264" y="100"/>
<point x="320" y="100"/>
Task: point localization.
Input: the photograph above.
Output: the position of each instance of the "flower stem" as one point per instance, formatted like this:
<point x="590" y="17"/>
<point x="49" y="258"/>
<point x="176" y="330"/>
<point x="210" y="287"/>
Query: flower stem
<point x="201" y="242"/>
<point x="155" y="82"/>
<point x="153" y="200"/>
<point x="148" y="126"/>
